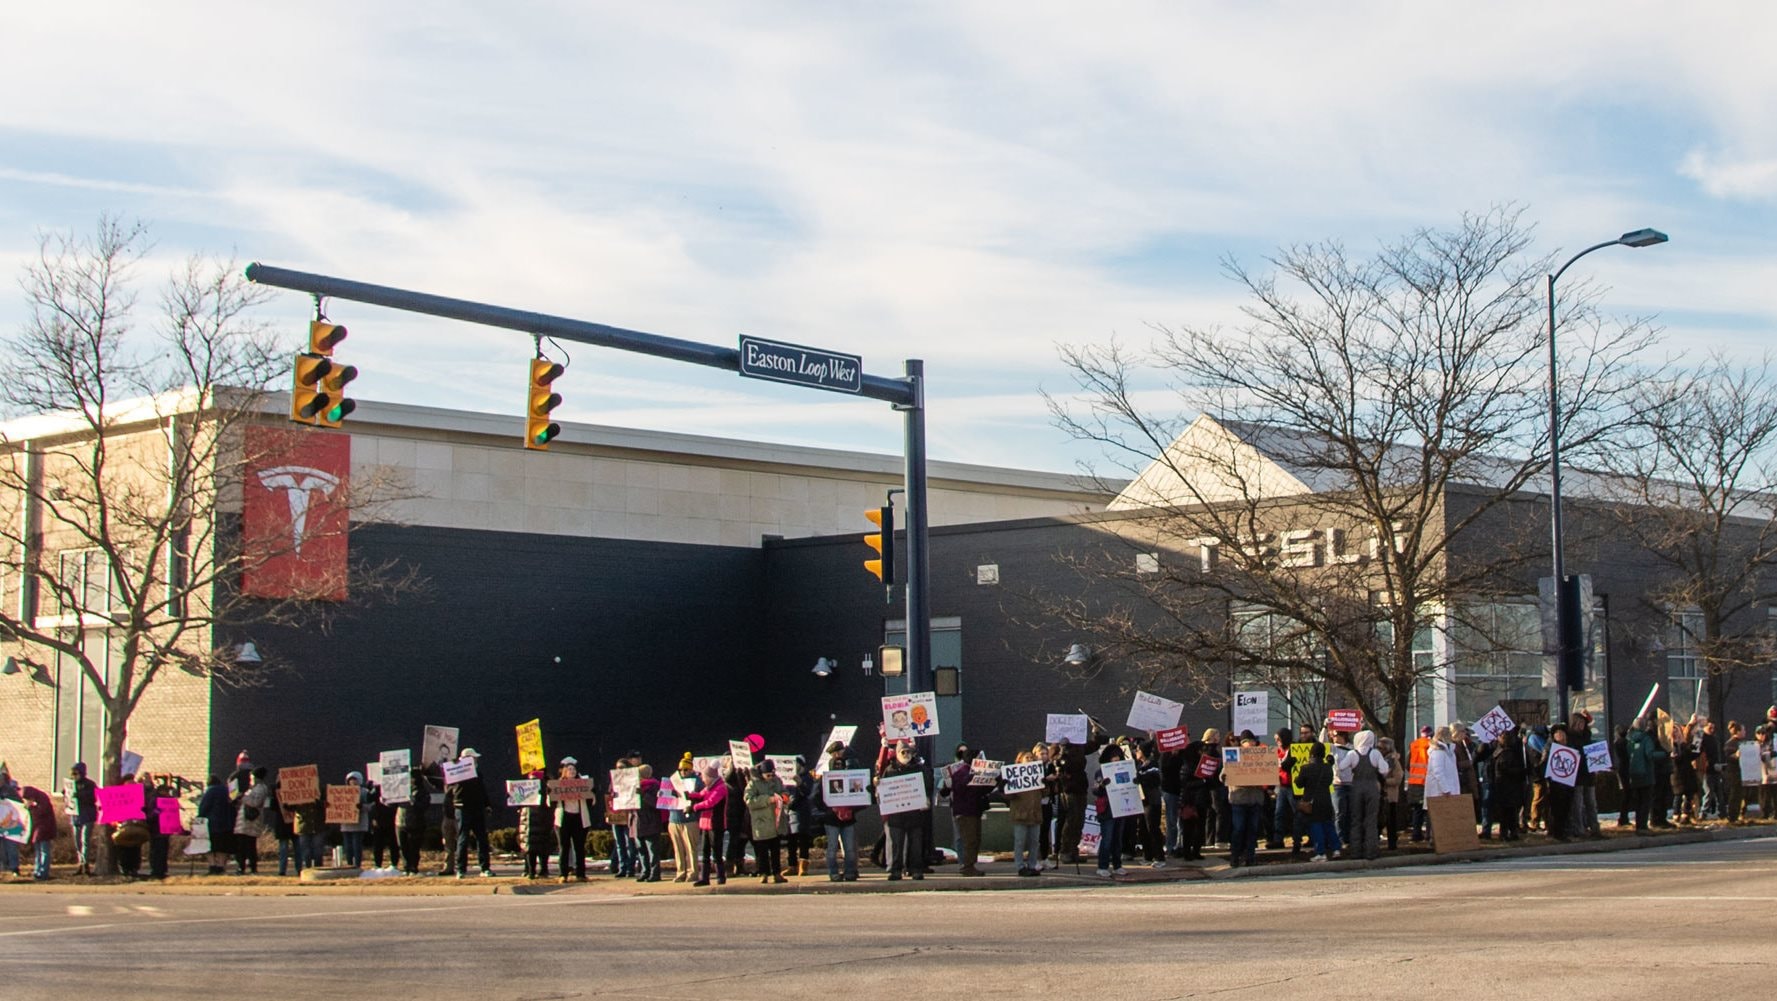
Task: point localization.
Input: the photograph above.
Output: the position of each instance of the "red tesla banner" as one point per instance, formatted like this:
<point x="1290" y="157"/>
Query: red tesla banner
<point x="294" y="514"/>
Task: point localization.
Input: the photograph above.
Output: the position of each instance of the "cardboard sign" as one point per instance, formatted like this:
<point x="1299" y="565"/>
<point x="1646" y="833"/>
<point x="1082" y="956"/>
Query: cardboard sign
<point x="530" y="747"/>
<point x="1026" y="777"/>
<point x="570" y="790"/>
<point x="902" y="793"/>
<point x="438" y="744"/>
<point x="1175" y="739"/>
<point x="846" y="787"/>
<point x="172" y="820"/>
<point x="524" y="792"/>
<point x="1120" y="788"/>
<point x="1751" y="770"/>
<point x="1071" y="727"/>
<point x="909" y="716"/>
<point x="299" y="786"/>
<point x="1345" y="720"/>
<point x="1563" y="765"/>
<point x="1489" y="727"/>
<point x="1453" y="823"/>
<point x="1151" y="712"/>
<point x="1252" y="713"/>
<point x="397" y="771"/>
<point x="983" y="772"/>
<point x="1249" y="766"/>
<point x="1598" y="756"/>
<point x="842" y="734"/>
<point x="626" y="788"/>
<point x="342" y="804"/>
<point x="461" y="770"/>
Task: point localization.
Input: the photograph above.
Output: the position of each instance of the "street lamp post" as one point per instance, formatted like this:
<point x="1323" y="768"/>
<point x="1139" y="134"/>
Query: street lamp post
<point x="1567" y="649"/>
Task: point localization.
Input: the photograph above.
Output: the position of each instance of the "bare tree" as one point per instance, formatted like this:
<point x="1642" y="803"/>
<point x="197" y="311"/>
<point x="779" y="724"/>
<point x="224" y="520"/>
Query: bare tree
<point x="1368" y="414"/>
<point x="119" y="482"/>
<point x="1699" y="482"/>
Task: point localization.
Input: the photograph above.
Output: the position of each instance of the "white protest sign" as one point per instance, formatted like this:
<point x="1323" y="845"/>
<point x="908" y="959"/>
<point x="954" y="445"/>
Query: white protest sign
<point x="785" y="765"/>
<point x="397" y="772"/>
<point x="1089" y="833"/>
<point x="130" y="764"/>
<point x="459" y="771"/>
<point x="668" y="798"/>
<point x="908" y="716"/>
<point x="1151" y="712"/>
<point x="842" y="734"/>
<point x="846" y="787"/>
<point x="200" y="838"/>
<point x="1022" y="778"/>
<point x="983" y="772"/>
<point x="1598" y="756"/>
<point x="742" y="753"/>
<point x="626" y="788"/>
<point x="373" y="773"/>
<point x="524" y="792"/>
<point x="1750" y="771"/>
<point x="1120" y="788"/>
<point x="1489" y="727"/>
<point x="902" y="793"/>
<point x="1252" y="714"/>
<point x="701" y="762"/>
<point x="1564" y="764"/>
<point x="437" y="744"/>
<point x="1071" y="727"/>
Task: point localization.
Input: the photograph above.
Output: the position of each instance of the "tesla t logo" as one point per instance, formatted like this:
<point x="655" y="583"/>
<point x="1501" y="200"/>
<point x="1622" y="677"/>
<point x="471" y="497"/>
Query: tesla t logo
<point x="298" y="484"/>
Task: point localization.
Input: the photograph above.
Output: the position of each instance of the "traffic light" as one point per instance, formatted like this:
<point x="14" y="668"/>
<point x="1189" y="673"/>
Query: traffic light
<point x="539" y="430"/>
<point x="883" y="541"/>
<point x="317" y="389"/>
<point x="308" y="397"/>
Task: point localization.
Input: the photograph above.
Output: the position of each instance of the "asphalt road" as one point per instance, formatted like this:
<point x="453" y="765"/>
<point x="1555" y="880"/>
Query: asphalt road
<point x="1606" y="926"/>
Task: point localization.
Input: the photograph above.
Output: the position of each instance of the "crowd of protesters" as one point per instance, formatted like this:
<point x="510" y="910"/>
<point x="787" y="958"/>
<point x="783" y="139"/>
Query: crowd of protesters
<point x="1337" y="794"/>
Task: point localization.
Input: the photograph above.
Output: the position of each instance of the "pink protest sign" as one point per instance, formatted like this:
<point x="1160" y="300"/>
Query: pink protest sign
<point x="170" y="820"/>
<point x="120" y="803"/>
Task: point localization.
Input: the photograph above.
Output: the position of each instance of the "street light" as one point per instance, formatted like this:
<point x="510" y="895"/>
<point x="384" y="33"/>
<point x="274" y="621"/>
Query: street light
<point x="1566" y="647"/>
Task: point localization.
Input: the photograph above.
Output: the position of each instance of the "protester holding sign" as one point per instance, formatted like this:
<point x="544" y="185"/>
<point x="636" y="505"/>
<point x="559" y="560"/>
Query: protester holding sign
<point x="1563" y="764"/>
<point x="213" y="806"/>
<point x="1199" y="778"/>
<point x="1072" y="784"/>
<point x="681" y="821"/>
<point x="1024" y="796"/>
<point x="573" y="818"/>
<point x="711" y="804"/>
<point x="1316" y="778"/>
<point x="1112" y="769"/>
<point x="766" y="797"/>
<point x="1247" y="803"/>
<point x="252" y="819"/>
<point x="906" y="829"/>
<point x="837" y="819"/>
<point x="646" y="824"/>
<point x="468" y="800"/>
<point x="83" y="812"/>
<point x="410" y="819"/>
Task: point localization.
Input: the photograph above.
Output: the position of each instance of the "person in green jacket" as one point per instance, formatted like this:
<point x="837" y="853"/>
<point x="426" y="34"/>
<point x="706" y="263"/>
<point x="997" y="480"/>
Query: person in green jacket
<point x="1644" y="754"/>
<point x="766" y="798"/>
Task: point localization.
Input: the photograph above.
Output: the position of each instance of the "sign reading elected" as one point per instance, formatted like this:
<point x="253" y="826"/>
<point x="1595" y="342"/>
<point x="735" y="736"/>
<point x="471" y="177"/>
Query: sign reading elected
<point x="802" y="366"/>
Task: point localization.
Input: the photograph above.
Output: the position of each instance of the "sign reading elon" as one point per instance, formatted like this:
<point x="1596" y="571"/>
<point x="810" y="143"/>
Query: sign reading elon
<point x="800" y="365"/>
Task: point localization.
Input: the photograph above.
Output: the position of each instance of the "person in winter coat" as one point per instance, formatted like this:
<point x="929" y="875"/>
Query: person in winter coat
<point x="839" y="822"/>
<point x="1199" y="772"/>
<point x="1394" y="793"/>
<point x="1686" y="788"/>
<point x="468" y="799"/>
<point x="384" y="838"/>
<point x="967" y="804"/>
<point x="1027" y="817"/>
<point x="9" y="849"/>
<point x="1508" y="768"/>
<point x="1640" y="753"/>
<point x="1247" y="804"/>
<point x="766" y="799"/>
<point x="310" y="824"/>
<point x="283" y="827"/>
<point x="710" y="803"/>
<point x="536" y="834"/>
<point x="906" y="831"/>
<point x="82" y="795"/>
<point x="802" y="806"/>
<point x="740" y="824"/>
<point x="573" y="819"/>
<point x="1368" y="767"/>
<point x="43" y="830"/>
<point x="351" y="833"/>
<point x="1442" y="777"/>
<point x="647" y="826"/>
<point x="410" y="820"/>
<point x="681" y="824"/>
<point x="1316" y="779"/>
<point x="251" y="820"/>
<point x="214" y="807"/>
<point x="1147" y="776"/>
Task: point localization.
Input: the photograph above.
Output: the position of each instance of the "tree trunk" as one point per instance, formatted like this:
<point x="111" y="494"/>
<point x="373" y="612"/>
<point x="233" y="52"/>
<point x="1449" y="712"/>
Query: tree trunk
<point x="111" y="772"/>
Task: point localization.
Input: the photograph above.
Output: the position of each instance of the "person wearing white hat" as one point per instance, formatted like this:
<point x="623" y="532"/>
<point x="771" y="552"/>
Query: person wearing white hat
<point x="573" y="818"/>
<point x="469" y="799"/>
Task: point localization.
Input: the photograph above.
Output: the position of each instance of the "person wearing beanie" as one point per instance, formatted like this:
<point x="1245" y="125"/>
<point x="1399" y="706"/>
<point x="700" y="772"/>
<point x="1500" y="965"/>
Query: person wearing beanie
<point x="681" y="824"/>
<point x="241" y="779"/>
<point x="536" y="833"/>
<point x="573" y="819"/>
<point x="802" y="804"/>
<point x="82" y="796"/>
<point x="765" y="797"/>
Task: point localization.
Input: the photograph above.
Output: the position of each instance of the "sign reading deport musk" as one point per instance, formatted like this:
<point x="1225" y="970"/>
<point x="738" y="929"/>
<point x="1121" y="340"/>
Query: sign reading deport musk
<point x="801" y="366"/>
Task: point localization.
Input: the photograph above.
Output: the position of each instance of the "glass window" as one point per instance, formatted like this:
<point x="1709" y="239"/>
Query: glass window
<point x="1293" y="698"/>
<point x="1497" y="655"/>
<point x="1684" y="664"/>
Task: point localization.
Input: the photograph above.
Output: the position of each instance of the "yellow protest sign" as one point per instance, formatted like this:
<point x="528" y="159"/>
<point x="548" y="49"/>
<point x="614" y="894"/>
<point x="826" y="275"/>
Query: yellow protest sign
<point x="530" y="747"/>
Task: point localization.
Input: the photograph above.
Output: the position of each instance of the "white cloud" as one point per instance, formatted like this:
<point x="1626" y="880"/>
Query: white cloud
<point x="1722" y="178"/>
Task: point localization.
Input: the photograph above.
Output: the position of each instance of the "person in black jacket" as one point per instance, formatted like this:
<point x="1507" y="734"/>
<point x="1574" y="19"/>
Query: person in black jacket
<point x="1508" y="768"/>
<point x="468" y="799"/>
<point x="839" y="822"/>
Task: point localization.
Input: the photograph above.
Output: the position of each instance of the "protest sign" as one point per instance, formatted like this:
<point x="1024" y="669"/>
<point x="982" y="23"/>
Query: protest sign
<point x="342" y="804"/>
<point x="130" y="763"/>
<point x="626" y="788"/>
<point x="530" y="747"/>
<point x="667" y="797"/>
<point x="119" y="803"/>
<point x="1249" y="766"/>
<point x="983" y="772"/>
<point x="785" y="765"/>
<point x="1090" y="832"/>
<point x="461" y="770"/>
<point x="1151" y="712"/>
<point x="200" y="838"/>
<point x="1345" y="720"/>
<point x="702" y="762"/>
<point x="1598" y="756"/>
<point x="397" y="784"/>
<point x="373" y="773"/>
<point x="846" y="787"/>
<point x="1751" y="772"/>
<point x="1564" y="764"/>
<point x="1022" y="778"/>
<point x="1208" y="765"/>
<point x="1120" y="788"/>
<point x="1489" y="727"/>
<point x="524" y="792"/>
<point x="1071" y="727"/>
<point x="570" y="790"/>
<point x="1453" y="823"/>
<point x="15" y="818"/>
<point x="172" y="821"/>
<point x="1173" y="739"/>
<point x="742" y="753"/>
<point x="438" y="744"/>
<point x="686" y="785"/>
<point x="299" y="785"/>
<point x="909" y="716"/>
<point x="1252" y="713"/>
<point x="842" y="734"/>
<point x="902" y="793"/>
<point x="1299" y="755"/>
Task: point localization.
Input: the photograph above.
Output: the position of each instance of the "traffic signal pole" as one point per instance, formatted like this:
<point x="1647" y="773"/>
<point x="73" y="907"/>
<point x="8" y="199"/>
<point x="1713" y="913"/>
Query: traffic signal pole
<point x="905" y="394"/>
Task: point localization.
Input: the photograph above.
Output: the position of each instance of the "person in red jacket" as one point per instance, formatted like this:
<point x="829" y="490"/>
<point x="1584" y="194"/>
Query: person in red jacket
<point x="43" y="829"/>
<point x="711" y="805"/>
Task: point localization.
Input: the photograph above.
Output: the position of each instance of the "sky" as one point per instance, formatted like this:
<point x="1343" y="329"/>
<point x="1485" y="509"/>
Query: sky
<point x="971" y="184"/>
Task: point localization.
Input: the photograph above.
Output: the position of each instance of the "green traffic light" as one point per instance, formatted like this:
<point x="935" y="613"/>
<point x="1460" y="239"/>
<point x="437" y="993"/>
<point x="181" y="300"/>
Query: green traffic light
<point x="546" y="433"/>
